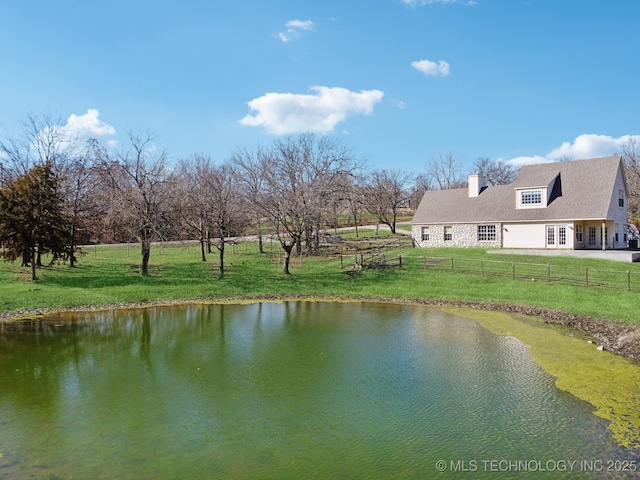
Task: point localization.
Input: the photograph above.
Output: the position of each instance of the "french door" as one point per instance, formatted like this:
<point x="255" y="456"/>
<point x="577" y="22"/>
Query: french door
<point x="556" y="236"/>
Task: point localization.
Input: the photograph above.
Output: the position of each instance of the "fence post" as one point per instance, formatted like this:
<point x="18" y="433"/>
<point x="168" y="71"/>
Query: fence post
<point x="586" y="276"/>
<point x="400" y="260"/>
<point x="513" y="271"/>
<point x="452" y="264"/>
<point x="628" y="280"/>
<point x="548" y="273"/>
<point x="482" y="267"/>
<point x="341" y="262"/>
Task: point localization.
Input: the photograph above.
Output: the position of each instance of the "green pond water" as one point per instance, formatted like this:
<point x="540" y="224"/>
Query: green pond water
<point x="290" y="390"/>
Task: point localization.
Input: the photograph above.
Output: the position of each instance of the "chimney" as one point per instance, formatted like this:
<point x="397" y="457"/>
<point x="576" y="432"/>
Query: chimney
<point x="477" y="183"/>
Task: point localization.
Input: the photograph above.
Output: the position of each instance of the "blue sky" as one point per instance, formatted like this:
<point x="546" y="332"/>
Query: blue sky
<point x="398" y="81"/>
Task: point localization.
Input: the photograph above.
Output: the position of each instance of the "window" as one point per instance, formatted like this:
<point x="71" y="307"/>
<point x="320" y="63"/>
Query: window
<point x="562" y="235"/>
<point x="592" y="236"/>
<point x="425" y="234"/>
<point x="531" y="197"/>
<point x="448" y="234"/>
<point x="621" y="198"/>
<point x="551" y="235"/>
<point x="579" y="233"/>
<point x="486" y="233"/>
<point x="617" y="233"/>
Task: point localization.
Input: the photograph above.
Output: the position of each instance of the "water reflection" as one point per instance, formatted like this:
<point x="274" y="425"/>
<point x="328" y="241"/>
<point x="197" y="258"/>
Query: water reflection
<point x="277" y="390"/>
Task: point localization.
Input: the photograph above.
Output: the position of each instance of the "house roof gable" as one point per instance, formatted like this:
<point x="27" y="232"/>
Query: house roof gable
<point x="585" y="193"/>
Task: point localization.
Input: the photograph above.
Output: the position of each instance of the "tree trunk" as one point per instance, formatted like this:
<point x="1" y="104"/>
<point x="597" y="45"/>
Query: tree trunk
<point x="72" y="244"/>
<point x="260" y="245"/>
<point x="316" y="238"/>
<point x="202" y="252"/>
<point x="39" y="256"/>
<point x="355" y="223"/>
<point x="146" y="253"/>
<point x="33" y="264"/>
<point x="287" y="258"/>
<point x="298" y="246"/>
<point x="202" y="235"/>
<point x="221" y="264"/>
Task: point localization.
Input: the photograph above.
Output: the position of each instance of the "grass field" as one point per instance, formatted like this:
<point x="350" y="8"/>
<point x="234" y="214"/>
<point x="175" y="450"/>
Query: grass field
<point x="108" y="275"/>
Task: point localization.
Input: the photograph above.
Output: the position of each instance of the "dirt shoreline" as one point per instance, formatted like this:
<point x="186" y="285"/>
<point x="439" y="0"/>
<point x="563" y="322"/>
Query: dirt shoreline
<point x="618" y="338"/>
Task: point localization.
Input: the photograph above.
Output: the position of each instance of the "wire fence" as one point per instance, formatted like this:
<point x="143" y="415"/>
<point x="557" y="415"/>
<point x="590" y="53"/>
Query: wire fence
<point x="537" y="272"/>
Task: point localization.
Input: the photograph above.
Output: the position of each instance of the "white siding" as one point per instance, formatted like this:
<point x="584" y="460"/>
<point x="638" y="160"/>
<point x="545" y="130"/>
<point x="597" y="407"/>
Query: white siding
<point x="524" y="235"/>
<point x="534" y="235"/>
<point x="617" y="214"/>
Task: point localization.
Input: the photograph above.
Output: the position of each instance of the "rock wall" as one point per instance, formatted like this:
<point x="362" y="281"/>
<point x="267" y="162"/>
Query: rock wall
<point x="463" y="235"/>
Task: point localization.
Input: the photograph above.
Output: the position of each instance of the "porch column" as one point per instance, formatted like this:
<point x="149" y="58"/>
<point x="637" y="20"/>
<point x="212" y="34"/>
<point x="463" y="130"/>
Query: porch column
<point x="603" y="235"/>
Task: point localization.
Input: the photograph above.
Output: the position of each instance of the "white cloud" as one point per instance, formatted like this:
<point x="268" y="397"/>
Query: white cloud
<point x="519" y="161"/>
<point x="432" y="69"/>
<point x="88" y="125"/>
<point x="301" y="24"/>
<point x="583" y="147"/>
<point x="77" y="130"/>
<point x="290" y="113"/>
<point x="590" y="146"/>
<point x="288" y="35"/>
<point x="293" y="29"/>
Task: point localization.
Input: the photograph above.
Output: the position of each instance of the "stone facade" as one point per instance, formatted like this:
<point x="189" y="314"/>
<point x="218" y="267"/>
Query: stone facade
<point x="462" y="235"/>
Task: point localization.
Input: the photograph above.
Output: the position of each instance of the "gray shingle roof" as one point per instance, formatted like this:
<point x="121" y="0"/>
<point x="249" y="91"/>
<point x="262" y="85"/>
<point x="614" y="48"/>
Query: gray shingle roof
<point x="587" y="189"/>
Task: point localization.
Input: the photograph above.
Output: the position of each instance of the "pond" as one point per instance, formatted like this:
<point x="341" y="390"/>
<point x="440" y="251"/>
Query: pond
<point x="288" y="390"/>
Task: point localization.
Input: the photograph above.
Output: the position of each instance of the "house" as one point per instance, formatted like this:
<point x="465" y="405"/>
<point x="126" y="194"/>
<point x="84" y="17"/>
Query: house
<point x="576" y="205"/>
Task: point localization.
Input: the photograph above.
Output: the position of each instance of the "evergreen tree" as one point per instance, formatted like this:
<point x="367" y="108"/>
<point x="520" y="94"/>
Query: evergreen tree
<point x="32" y="220"/>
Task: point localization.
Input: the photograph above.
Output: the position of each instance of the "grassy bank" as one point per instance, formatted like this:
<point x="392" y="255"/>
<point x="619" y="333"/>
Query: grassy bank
<point x="108" y="275"/>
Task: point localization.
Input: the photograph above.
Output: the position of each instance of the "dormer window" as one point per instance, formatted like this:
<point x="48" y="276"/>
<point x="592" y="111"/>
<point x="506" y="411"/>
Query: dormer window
<point x="531" y="198"/>
<point x="621" y="198"/>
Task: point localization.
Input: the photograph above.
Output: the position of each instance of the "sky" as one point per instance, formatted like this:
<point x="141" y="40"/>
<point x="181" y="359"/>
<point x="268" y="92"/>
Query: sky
<point x="399" y="82"/>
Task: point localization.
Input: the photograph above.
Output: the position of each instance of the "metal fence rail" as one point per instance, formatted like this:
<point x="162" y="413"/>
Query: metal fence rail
<point x="576" y="276"/>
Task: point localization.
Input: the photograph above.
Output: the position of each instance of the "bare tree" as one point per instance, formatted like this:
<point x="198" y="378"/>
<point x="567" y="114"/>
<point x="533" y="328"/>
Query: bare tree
<point x="300" y="177"/>
<point x="251" y="168"/>
<point x="192" y="193"/>
<point x="40" y="140"/>
<point x="630" y="152"/>
<point x="422" y="185"/>
<point x="352" y="197"/>
<point x="79" y="181"/>
<point x="386" y="192"/>
<point x="138" y="180"/>
<point x="496" y="173"/>
<point x="228" y="207"/>
<point x="445" y="172"/>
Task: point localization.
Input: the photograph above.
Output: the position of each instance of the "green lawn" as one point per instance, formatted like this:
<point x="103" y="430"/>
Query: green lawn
<point x="108" y="275"/>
